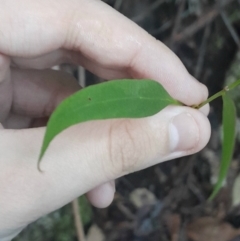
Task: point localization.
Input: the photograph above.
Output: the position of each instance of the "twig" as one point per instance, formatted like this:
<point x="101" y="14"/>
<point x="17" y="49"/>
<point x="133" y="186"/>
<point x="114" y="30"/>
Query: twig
<point x="118" y="4"/>
<point x="81" y="76"/>
<point x="163" y="28"/>
<point x="206" y="18"/>
<point x="196" y="191"/>
<point x="78" y="221"/>
<point x="202" y="52"/>
<point x="126" y="211"/>
<point x="177" y="22"/>
<point x="230" y="28"/>
<point x="151" y="8"/>
<point x="184" y="170"/>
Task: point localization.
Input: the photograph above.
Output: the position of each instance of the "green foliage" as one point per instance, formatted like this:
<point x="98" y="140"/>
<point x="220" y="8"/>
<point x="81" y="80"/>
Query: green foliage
<point x="229" y="125"/>
<point x="233" y="75"/>
<point x="57" y="226"/>
<point x="135" y="99"/>
<point x="113" y="99"/>
<point x="85" y="210"/>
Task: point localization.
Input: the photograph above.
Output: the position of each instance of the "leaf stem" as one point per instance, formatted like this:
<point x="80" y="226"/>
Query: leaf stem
<point x="218" y="94"/>
<point x="213" y="97"/>
<point x="233" y="85"/>
<point x="179" y="103"/>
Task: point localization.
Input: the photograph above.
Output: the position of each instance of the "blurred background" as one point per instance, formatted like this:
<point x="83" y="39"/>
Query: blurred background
<point x="168" y="202"/>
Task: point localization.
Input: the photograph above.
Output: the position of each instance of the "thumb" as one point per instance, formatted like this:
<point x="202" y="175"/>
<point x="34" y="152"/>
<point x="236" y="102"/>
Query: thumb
<point x="87" y="155"/>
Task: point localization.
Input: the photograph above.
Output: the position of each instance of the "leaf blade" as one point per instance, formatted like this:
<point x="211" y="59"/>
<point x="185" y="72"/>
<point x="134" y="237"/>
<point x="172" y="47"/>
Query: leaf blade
<point x="113" y="99"/>
<point x="229" y="126"/>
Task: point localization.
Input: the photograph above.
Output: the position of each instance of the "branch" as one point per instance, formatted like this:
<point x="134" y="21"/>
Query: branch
<point x="206" y="18"/>
<point x="230" y="28"/>
<point x="151" y="8"/>
<point x="78" y="221"/>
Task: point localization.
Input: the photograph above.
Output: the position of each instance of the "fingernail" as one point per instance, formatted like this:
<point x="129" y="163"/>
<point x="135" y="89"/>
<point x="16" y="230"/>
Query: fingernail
<point x="183" y="133"/>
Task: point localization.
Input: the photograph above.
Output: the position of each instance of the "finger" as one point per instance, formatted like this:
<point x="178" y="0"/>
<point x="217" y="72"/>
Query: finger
<point x="205" y="109"/>
<point x="45" y="61"/>
<point x="63" y="56"/>
<point x="14" y="121"/>
<point x="37" y="93"/>
<point x="117" y="45"/>
<point x="122" y="45"/>
<point x="102" y="196"/>
<point x="87" y="155"/>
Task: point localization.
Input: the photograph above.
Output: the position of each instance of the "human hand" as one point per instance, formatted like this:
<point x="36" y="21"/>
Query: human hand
<point x="86" y="158"/>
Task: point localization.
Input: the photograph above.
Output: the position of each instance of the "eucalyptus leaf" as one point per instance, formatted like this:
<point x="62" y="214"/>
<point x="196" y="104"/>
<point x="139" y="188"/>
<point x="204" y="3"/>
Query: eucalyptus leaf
<point x="229" y="125"/>
<point x="113" y="99"/>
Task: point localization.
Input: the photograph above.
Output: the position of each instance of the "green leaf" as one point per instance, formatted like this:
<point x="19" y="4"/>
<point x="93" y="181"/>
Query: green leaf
<point x="112" y="99"/>
<point x="85" y="210"/>
<point x="229" y="125"/>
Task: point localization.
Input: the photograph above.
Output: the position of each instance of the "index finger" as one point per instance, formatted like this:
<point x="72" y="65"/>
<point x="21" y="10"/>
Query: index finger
<point x="104" y="39"/>
<point x="107" y="38"/>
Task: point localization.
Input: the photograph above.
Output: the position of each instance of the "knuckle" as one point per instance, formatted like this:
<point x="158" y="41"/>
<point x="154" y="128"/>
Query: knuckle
<point x="78" y="30"/>
<point x="73" y="32"/>
<point x="123" y="146"/>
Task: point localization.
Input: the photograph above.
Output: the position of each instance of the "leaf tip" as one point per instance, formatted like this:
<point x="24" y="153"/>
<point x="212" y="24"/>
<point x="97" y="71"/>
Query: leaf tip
<point x="213" y="195"/>
<point x="39" y="161"/>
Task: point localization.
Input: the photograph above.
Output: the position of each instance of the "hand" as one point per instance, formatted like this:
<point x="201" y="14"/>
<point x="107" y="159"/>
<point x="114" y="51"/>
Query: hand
<point x="36" y="35"/>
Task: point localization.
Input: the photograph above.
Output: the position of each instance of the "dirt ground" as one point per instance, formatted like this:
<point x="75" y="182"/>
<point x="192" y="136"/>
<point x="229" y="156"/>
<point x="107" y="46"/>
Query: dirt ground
<point x="168" y="202"/>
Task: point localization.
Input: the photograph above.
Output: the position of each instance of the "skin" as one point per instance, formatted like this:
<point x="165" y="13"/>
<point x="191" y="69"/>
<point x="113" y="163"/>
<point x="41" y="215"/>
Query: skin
<point x="86" y="158"/>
